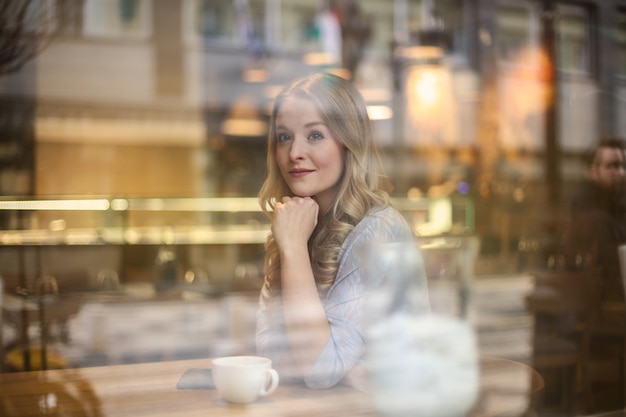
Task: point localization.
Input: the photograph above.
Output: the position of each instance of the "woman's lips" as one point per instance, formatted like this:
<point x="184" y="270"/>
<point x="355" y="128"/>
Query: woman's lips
<point x="299" y="172"/>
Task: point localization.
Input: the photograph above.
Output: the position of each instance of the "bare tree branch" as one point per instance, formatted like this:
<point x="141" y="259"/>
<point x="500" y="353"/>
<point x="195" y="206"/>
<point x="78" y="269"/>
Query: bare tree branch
<point x="27" y="27"/>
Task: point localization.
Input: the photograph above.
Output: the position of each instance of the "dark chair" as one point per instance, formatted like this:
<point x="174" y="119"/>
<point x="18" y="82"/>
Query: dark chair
<point x="561" y="304"/>
<point x="605" y="329"/>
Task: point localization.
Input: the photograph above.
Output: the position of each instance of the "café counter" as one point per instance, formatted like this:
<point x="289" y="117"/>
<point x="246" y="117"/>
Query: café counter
<point x="150" y="389"/>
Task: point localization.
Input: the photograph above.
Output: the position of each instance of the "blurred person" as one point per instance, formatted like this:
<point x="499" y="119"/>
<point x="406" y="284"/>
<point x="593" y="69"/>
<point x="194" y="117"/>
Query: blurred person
<point x="597" y="216"/>
<point x="355" y="33"/>
<point x="328" y="23"/>
<point x="324" y="197"/>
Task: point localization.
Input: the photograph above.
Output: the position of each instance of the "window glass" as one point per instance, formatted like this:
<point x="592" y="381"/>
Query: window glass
<point x="452" y="13"/>
<point x="445" y="14"/>
<point x="572" y="31"/>
<point x="297" y="23"/>
<point x="256" y="15"/>
<point x="214" y="19"/>
<point x="514" y="30"/>
<point x="379" y="16"/>
<point x="227" y="21"/>
<point x="121" y="18"/>
<point x="414" y="18"/>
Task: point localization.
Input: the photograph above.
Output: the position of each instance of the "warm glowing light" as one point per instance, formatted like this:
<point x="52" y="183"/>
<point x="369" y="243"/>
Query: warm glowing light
<point x="97" y="204"/>
<point x="255" y="75"/>
<point x="428" y="88"/>
<point x="414" y="193"/>
<point x="154" y="204"/>
<point x="110" y="131"/>
<point x="213" y="204"/>
<point x="244" y="127"/>
<point x="132" y="236"/>
<point x="532" y="75"/>
<point x="379" y="112"/>
<point x="527" y="91"/>
<point x="439" y="218"/>
<point x="119" y="204"/>
<point x="431" y="104"/>
<point x="57" y="225"/>
<point x="375" y="94"/>
<point x="243" y="119"/>
<point x="319" y="58"/>
<point x="423" y="53"/>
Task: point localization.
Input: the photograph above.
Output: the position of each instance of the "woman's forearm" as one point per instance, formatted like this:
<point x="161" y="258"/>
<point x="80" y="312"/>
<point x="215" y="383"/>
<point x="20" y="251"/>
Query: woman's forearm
<point x="306" y="324"/>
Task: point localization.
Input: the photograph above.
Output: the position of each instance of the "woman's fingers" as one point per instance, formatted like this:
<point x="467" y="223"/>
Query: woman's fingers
<point x="294" y="219"/>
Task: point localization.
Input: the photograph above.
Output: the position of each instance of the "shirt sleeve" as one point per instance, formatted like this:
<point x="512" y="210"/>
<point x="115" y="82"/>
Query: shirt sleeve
<point x="346" y="301"/>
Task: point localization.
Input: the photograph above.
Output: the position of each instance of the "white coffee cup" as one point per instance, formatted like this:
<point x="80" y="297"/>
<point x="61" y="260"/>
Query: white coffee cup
<point x="243" y="379"/>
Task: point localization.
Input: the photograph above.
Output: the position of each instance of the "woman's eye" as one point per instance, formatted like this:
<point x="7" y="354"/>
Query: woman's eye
<point x="282" y="137"/>
<point x="316" y="136"/>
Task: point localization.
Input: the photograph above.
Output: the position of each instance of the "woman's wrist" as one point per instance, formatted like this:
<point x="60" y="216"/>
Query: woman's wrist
<point x="293" y="251"/>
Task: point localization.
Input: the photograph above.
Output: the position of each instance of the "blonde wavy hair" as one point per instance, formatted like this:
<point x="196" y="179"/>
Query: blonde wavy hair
<point x="343" y="111"/>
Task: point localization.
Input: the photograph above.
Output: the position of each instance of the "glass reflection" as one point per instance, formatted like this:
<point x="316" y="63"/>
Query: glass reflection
<point x="126" y="118"/>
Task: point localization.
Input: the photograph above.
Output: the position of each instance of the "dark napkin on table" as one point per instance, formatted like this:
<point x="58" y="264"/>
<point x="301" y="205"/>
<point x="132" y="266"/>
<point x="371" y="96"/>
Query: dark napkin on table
<point x="196" y="378"/>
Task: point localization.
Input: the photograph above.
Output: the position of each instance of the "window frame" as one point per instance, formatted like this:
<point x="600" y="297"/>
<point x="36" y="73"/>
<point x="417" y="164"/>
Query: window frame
<point x="97" y="27"/>
<point x="591" y="13"/>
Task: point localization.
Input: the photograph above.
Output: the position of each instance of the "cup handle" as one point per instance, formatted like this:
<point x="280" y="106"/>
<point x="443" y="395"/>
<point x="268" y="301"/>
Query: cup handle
<point x="271" y="382"/>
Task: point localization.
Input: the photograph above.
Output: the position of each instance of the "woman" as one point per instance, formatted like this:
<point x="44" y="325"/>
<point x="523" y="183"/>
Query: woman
<point x="324" y="199"/>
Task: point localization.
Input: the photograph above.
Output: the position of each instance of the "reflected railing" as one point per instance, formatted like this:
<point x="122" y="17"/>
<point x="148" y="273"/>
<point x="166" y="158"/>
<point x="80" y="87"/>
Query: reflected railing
<point x="219" y="220"/>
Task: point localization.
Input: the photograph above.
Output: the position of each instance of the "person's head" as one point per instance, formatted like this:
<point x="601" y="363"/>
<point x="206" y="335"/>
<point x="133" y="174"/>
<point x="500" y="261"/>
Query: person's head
<point x="320" y="144"/>
<point x="320" y="130"/>
<point x="606" y="164"/>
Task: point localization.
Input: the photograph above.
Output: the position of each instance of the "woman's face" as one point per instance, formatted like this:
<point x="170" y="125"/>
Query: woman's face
<point x="309" y="157"/>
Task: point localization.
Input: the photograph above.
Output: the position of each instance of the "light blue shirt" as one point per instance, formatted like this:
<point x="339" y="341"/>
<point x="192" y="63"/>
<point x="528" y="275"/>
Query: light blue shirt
<point x="345" y="302"/>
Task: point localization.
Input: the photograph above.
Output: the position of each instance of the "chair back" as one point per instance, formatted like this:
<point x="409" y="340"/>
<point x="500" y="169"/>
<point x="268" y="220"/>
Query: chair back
<point x="569" y="291"/>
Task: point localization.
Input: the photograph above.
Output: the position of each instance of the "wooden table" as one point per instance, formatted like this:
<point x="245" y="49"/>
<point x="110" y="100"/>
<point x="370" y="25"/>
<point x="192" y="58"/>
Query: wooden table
<point x="150" y="390"/>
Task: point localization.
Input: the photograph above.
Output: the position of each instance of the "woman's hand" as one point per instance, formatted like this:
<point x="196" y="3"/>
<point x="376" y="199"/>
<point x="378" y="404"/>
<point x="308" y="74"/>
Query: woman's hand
<point x="295" y="219"/>
<point x="306" y="324"/>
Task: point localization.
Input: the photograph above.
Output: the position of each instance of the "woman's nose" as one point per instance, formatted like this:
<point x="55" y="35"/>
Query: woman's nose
<point x="297" y="150"/>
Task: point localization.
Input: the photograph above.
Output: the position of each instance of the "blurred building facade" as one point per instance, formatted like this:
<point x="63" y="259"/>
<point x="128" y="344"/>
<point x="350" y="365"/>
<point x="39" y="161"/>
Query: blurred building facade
<point x="162" y="98"/>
